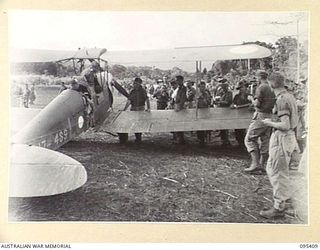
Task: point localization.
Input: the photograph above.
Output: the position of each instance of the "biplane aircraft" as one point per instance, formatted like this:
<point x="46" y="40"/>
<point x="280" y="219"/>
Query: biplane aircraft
<point x="38" y="170"/>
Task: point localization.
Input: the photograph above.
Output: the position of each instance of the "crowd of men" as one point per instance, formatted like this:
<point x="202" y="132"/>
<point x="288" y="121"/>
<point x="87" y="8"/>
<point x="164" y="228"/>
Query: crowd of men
<point x="274" y="136"/>
<point x="271" y="138"/>
<point x="180" y="94"/>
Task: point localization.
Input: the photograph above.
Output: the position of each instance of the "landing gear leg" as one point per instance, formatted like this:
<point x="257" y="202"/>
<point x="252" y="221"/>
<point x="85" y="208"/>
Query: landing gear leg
<point x="123" y="138"/>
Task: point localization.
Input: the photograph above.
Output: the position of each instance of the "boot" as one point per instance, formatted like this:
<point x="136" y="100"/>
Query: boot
<point x="272" y="213"/>
<point x="263" y="162"/>
<point x="138" y="137"/>
<point x="254" y="162"/>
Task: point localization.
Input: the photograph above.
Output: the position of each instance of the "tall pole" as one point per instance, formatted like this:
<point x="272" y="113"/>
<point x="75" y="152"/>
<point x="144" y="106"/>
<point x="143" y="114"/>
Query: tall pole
<point x="298" y="53"/>
<point x="197" y="82"/>
<point x="297" y="20"/>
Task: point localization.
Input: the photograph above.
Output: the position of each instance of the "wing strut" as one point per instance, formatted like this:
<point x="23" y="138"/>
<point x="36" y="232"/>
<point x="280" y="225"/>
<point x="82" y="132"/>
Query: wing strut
<point x="198" y="74"/>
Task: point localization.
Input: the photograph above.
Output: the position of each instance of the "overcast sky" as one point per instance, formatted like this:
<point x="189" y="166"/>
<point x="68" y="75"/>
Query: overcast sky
<point x="69" y="30"/>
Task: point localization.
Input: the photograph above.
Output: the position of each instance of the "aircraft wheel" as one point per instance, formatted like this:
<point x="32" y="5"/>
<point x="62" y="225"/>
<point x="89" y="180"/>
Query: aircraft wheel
<point x="123" y="138"/>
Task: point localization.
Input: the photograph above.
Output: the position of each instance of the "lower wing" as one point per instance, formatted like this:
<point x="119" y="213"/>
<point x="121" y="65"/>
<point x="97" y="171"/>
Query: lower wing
<point x="37" y="171"/>
<point x="157" y="121"/>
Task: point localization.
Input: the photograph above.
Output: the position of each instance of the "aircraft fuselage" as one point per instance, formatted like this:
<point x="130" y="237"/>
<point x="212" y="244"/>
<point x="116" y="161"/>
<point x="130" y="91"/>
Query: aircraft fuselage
<point x="60" y="121"/>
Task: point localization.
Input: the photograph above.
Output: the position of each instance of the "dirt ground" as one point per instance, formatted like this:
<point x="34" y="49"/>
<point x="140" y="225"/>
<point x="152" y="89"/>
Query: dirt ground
<point x="160" y="181"/>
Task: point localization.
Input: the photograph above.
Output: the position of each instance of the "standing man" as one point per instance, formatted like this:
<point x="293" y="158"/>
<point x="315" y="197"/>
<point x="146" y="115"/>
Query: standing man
<point x="241" y="100"/>
<point x="204" y="101"/>
<point x="180" y="99"/>
<point x="223" y="99"/>
<point x="282" y="144"/>
<point x="32" y="94"/>
<point x="172" y="93"/>
<point x="138" y="97"/>
<point x="162" y="97"/>
<point x="263" y="102"/>
<point x="26" y="96"/>
<point x="191" y="94"/>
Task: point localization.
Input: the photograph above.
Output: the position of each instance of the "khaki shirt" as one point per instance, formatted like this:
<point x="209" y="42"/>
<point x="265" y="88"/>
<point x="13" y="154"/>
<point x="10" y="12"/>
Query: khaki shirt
<point x="266" y="98"/>
<point x="286" y="105"/>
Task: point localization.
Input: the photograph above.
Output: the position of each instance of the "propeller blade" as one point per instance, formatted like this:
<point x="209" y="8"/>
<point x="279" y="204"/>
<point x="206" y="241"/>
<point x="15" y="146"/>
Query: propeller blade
<point x="37" y="171"/>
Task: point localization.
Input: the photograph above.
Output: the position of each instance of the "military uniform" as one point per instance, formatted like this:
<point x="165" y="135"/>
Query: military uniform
<point x="225" y="101"/>
<point x="282" y="145"/>
<point x="204" y="101"/>
<point x="191" y="93"/>
<point x="257" y="129"/>
<point x="162" y="97"/>
<point x="32" y="94"/>
<point x="26" y="97"/>
<point x="240" y="134"/>
<point x="180" y="99"/>
<point x="138" y="98"/>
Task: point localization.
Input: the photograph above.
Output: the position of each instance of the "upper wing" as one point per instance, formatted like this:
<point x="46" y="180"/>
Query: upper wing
<point x="188" y="54"/>
<point x="157" y="121"/>
<point x="146" y="57"/>
<point x="37" y="55"/>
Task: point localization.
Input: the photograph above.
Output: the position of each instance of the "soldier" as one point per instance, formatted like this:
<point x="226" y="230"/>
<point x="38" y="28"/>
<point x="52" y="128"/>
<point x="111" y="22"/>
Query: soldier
<point x="263" y="102"/>
<point x="26" y="96"/>
<point x="180" y="99"/>
<point x="172" y="97"/>
<point x="32" y="94"/>
<point x="191" y="94"/>
<point x="223" y="99"/>
<point x="138" y="97"/>
<point x="204" y="101"/>
<point x="223" y="95"/>
<point x="241" y="100"/>
<point x="87" y="99"/>
<point x="282" y="144"/>
<point x="172" y="93"/>
<point x="162" y="97"/>
<point x="204" y="98"/>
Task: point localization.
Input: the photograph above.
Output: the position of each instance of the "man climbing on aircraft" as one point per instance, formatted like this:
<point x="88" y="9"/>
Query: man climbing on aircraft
<point x="138" y="97"/>
<point x="87" y="99"/>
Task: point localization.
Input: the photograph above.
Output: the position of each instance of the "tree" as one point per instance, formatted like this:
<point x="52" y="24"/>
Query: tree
<point x="286" y="47"/>
<point x="285" y="56"/>
<point x="118" y="70"/>
<point x="262" y="63"/>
